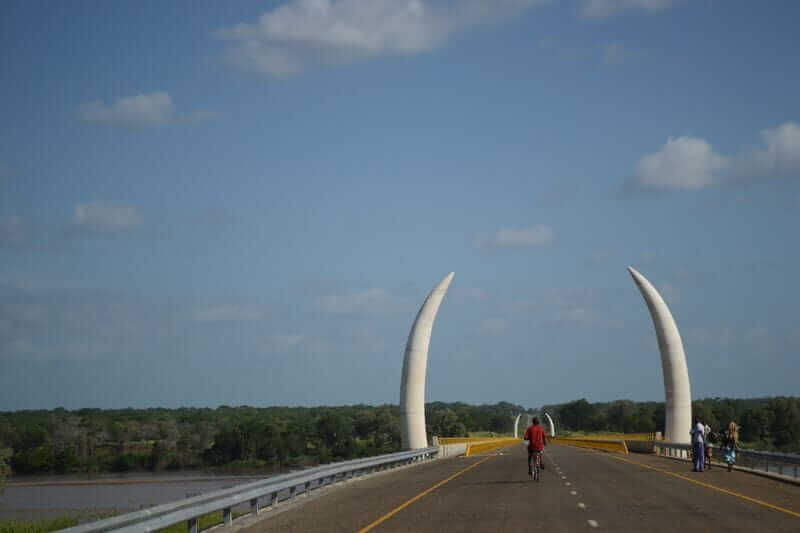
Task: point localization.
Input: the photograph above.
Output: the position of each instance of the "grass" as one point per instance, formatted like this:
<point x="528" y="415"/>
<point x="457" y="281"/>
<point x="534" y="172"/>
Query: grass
<point x="54" y="524"/>
<point x="37" y="526"/>
<point x="204" y="522"/>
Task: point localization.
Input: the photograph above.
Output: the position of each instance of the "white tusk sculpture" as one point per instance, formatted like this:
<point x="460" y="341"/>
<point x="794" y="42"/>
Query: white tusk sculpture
<point x="677" y="394"/>
<point x="516" y="425"/>
<point x="415" y="363"/>
<point x="552" y="426"/>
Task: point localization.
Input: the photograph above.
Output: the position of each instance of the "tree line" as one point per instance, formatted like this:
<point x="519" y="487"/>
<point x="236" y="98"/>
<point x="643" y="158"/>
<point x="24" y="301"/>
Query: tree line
<point x="274" y="438"/>
<point x="232" y="438"/>
<point x="766" y="423"/>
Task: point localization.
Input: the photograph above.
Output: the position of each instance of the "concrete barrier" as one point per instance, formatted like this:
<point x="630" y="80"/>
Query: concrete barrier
<point x="616" y="446"/>
<point x="453" y="450"/>
<point x="640" y="446"/>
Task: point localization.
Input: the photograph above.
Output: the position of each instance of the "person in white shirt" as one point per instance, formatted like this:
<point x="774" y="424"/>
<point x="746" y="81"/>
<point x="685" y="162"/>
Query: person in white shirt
<point x="698" y="439"/>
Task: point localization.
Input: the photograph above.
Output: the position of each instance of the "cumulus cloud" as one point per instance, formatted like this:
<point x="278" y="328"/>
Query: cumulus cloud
<point x="59" y="324"/>
<point x="608" y="8"/>
<point x="691" y="162"/>
<point x="682" y="163"/>
<point x="226" y="313"/>
<point x="142" y="110"/>
<point x="364" y="301"/>
<point x="139" y="111"/>
<point x="303" y="34"/>
<point x="105" y="217"/>
<point x="539" y="235"/>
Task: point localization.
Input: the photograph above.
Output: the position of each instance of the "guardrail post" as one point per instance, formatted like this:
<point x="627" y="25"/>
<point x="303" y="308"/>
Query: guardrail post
<point x="227" y="516"/>
<point x="308" y="488"/>
<point x="254" y="506"/>
<point x="292" y="491"/>
<point x="273" y="499"/>
<point x="192" y="525"/>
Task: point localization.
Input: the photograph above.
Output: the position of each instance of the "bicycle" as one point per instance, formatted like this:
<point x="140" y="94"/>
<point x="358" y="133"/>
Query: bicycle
<point x="534" y="472"/>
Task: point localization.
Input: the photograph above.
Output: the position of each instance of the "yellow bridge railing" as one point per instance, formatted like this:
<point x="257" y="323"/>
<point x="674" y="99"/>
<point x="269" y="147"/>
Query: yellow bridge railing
<point x="609" y="445"/>
<point x="490" y="444"/>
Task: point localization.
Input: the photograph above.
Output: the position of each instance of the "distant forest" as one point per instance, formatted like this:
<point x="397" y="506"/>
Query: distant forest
<point x="276" y="438"/>
<point x="766" y="423"/>
<point x="227" y="438"/>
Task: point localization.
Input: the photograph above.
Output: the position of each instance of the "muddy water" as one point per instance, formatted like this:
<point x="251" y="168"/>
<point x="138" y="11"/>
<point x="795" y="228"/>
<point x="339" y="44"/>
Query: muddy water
<point x="40" y="497"/>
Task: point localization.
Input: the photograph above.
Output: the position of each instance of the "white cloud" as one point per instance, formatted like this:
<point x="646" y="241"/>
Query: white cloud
<point x="692" y="163"/>
<point x="682" y="163"/>
<point x="106" y="217"/>
<point x="140" y="111"/>
<point x="302" y="34"/>
<point x="365" y="301"/>
<point x="226" y="313"/>
<point x="608" y="8"/>
<point x="153" y="109"/>
<point x="538" y="235"/>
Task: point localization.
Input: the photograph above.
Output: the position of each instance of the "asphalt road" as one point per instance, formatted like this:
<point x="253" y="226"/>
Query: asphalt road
<point x="579" y="490"/>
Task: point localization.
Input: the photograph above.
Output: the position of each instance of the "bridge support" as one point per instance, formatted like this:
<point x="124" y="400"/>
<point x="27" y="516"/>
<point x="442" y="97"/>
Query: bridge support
<point x="516" y="426"/>
<point x="677" y="394"/>
<point x="415" y="364"/>
<point x="552" y="426"/>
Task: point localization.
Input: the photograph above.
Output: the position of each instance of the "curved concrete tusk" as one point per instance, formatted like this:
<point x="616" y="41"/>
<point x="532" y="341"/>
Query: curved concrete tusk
<point x="415" y="363"/>
<point x="677" y="393"/>
<point x="516" y="425"/>
<point x="552" y="426"/>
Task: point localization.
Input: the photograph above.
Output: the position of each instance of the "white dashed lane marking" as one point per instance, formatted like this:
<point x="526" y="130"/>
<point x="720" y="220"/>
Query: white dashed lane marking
<point x="582" y="505"/>
<point x="567" y="483"/>
<point x="574" y="493"/>
<point x="593" y="523"/>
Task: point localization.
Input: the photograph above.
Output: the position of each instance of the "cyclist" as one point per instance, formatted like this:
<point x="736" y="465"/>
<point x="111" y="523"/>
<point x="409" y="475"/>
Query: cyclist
<point x="537" y="440"/>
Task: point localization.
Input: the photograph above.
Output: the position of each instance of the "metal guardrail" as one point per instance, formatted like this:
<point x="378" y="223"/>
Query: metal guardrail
<point x="273" y="490"/>
<point x="783" y="464"/>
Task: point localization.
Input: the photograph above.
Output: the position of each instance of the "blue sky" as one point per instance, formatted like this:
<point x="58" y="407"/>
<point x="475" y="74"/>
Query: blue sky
<point x="206" y="203"/>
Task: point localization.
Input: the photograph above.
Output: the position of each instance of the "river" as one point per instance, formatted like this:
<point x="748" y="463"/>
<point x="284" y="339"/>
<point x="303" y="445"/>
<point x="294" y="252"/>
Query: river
<point x="27" y="498"/>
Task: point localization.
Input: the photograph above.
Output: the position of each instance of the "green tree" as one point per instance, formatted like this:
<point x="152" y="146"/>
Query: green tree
<point x="5" y="455"/>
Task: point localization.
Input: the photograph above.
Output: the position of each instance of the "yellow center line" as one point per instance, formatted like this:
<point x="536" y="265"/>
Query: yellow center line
<point x="712" y="487"/>
<point x="419" y="496"/>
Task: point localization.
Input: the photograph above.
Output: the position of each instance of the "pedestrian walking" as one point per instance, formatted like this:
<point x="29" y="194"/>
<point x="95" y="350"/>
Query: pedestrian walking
<point x="708" y="446"/>
<point x="731" y="443"/>
<point x="698" y="453"/>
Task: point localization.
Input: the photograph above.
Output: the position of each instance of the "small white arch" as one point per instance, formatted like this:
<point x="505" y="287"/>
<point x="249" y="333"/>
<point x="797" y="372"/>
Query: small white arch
<point x="516" y="426"/>
<point x="552" y="426"/>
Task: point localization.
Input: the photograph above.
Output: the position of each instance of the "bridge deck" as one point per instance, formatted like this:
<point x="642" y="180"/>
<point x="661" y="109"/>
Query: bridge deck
<point x="597" y="490"/>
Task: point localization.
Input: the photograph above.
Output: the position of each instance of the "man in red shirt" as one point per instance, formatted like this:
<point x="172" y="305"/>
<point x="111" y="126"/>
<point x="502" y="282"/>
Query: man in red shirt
<point x="537" y="440"/>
